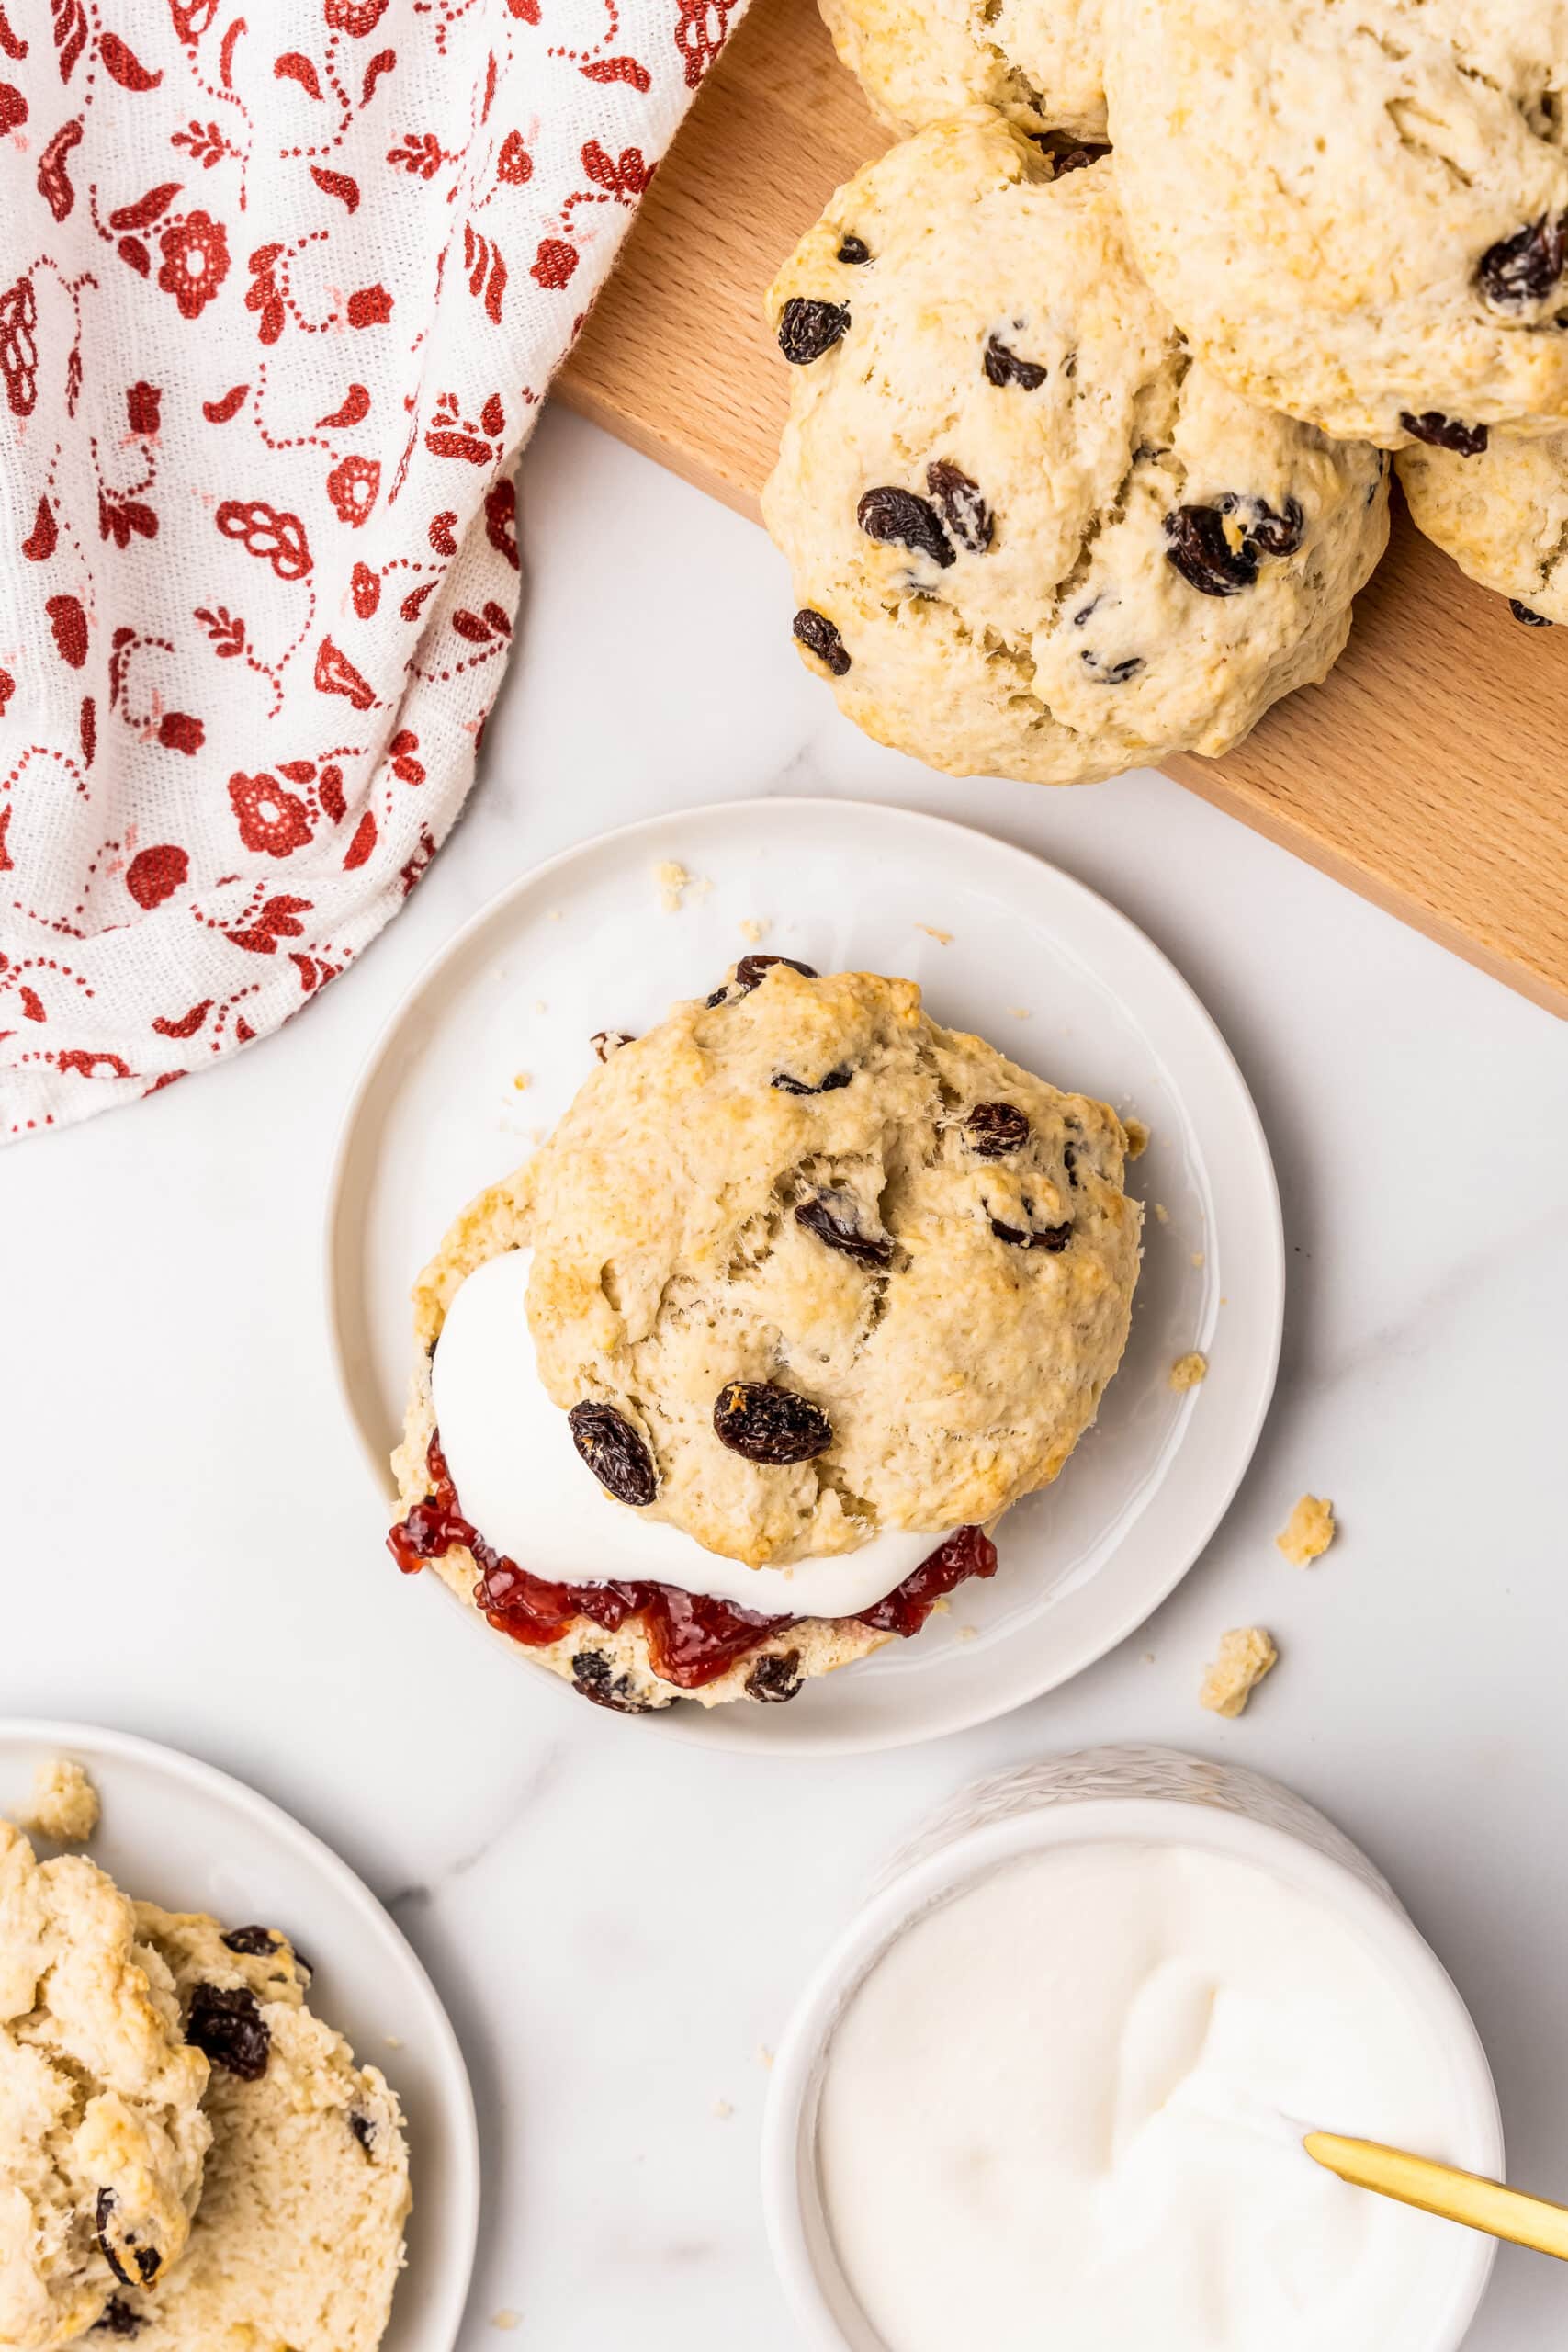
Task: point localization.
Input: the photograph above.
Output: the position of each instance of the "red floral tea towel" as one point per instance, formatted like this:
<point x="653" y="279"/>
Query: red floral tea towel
<point x="282" y="284"/>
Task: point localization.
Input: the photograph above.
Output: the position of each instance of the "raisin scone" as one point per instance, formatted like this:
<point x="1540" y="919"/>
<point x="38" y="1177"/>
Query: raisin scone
<point x="1029" y="535"/>
<point x="1358" y="209"/>
<point x="102" y="2133"/>
<point x="1038" y="61"/>
<point x="299" y="2240"/>
<point x="1503" y="516"/>
<point x="807" y="1269"/>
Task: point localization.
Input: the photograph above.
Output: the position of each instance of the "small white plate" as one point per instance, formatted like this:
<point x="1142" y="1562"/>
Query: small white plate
<point x="1001" y="943"/>
<point x="177" y="1833"/>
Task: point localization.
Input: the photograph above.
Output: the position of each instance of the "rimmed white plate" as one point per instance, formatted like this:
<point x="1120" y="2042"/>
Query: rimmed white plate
<point x="178" y="1833"/>
<point x="494" y="1039"/>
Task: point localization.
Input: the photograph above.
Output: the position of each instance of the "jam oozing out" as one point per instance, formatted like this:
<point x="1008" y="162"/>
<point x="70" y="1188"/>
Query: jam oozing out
<point x="691" y="1639"/>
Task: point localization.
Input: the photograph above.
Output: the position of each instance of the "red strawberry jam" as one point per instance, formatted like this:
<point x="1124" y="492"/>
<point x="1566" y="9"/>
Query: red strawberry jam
<point x="691" y="1639"/>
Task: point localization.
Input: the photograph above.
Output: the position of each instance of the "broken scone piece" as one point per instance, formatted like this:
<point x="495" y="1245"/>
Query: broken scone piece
<point x="65" y="1803"/>
<point x="1246" y="1654"/>
<point x="1188" y="1370"/>
<point x="1309" y="1530"/>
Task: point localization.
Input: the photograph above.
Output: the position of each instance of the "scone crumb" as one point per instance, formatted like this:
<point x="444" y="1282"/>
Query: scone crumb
<point x="1246" y="1654"/>
<point x="1019" y="1012"/>
<point x="968" y="1632"/>
<point x="673" y="884"/>
<point x="540" y="1005"/>
<point x="1188" y="1370"/>
<point x="1137" y="1138"/>
<point x="1162" y="1213"/>
<point x="942" y="938"/>
<point x="1198" y="1259"/>
<point x="722" y="2110"/>
<point x="764" y="2056"/>
<point x="506" y="2320"/>
<point x="753" y="929"/>
<point x="65" y="1803"/>
<point x="394" y="2040"/>
<point x="1308" y="1533"/>
<point x="522" y="1080"/>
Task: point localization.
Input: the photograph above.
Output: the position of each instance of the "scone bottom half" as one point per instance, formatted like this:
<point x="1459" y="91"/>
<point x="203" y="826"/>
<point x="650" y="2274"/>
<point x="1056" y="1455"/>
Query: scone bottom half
<point x="949" y="1238"/>
<point x="1029" y="535"/>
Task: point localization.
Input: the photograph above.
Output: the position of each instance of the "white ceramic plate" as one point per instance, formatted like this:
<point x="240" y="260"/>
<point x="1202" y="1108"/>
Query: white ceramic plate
<point x="1032" y="960"/>
<point x="178" y="1833"/>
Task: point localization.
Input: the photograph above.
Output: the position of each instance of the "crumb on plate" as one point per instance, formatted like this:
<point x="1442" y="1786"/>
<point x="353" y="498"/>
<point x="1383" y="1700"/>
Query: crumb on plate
<point x="942" y="938"/>
<point x="754" y="928"/>
<point x="1162" y="1213"/>
<point x="1309" y="1530"/>
<point x="1019" y="1012"/>
<point x="1246" y="1654"/>
<point x="506" y="2320"/>
<point x="722" y="2110"/>
<point x="1137" y="1138"/>
<point x="674" y="881"/>
<point x="522" y="1080"/>
<point x="1188" y="1370"/>
<point x="764" y="2056"/>
<point x="1199" y="1259"/>
<point x="65" y="1803"/>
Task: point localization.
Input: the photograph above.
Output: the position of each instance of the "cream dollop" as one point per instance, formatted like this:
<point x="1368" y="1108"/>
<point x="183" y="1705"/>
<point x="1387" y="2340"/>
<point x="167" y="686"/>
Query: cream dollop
<point x="520" y="1480"/>
<point x="1060" y="2115"/>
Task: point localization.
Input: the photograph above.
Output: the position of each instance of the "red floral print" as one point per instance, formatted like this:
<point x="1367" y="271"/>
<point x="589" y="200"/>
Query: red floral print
<point x="272" y="819"/>
<point x="287" y="288"/>
<point x="195" y="260"/>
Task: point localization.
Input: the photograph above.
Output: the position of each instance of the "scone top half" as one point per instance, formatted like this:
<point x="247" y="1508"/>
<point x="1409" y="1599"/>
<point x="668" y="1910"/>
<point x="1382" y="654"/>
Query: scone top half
<point x="1038" y="61"/>
<point x="1029" y="535"/>
<point x="838" y="1270"/>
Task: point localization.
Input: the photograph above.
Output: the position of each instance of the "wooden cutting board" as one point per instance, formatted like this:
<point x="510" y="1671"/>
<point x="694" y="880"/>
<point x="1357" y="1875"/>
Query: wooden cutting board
<point x="1430" y="773"/>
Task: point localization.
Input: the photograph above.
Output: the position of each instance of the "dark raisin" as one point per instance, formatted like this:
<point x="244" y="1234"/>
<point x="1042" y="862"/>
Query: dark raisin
<point x="119" y="2246"/>
<point x="1070" y="1162"/>
<point x="227" y="2025"/>
<point x="964" y="510"/>
<point x="1530" y="618"/>
<point x="1111" y="673"/>
<point x="776" y="1678"/>
<point x="1203" y="555"/>
<point x="752" y="970"/>
<point x="1003" y="365"/>
<point x="592" y="1679"/>
<point x="1440" y="432"/>
<point x="898" y="518"/>
<point x="606" y="1042"/>
<point x="807" y="329"/>
<point x="831" y="1217"/>
<point x="254" y="1942"/>
<point x="1526" y="268"/>
<point x="816" y="633"/>
<point x="1272" y="533"/>
<point x="828" y="1085"/>
<point x="1053" y="1238"/>
<point x="996" y="1128"/>
<point x="771" y="1424"/>
<point x="1068" y="153"/>
<point x="855" y="250"/>
<point x="363" y="2129"/>
<point x="615" y="1452"/>
<point x="117" y="2319"/>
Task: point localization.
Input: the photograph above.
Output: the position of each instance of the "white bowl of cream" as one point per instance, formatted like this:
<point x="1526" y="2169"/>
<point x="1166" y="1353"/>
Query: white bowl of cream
<point x="1047" y="2094"/>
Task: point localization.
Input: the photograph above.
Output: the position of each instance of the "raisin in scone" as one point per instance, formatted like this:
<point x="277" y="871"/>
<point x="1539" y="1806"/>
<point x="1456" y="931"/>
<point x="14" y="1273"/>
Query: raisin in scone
<point x="807" y="1269"/>
<point x="1358" y="209"/>
<point x="1029" y="535"/>
<point x="102" y="2133"/>
<point x="1503" y="516"/>
<point x="1038" y="61"/>
<point x="299" y="2236"/>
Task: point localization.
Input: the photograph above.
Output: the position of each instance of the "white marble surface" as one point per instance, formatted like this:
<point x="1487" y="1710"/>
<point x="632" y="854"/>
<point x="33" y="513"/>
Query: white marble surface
<point x="618" y="1922"/>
